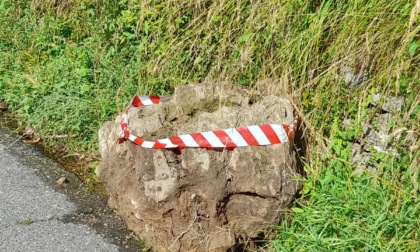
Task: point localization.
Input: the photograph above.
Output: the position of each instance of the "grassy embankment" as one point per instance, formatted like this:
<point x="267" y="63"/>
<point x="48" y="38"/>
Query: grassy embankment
<point x="68" y="66"/>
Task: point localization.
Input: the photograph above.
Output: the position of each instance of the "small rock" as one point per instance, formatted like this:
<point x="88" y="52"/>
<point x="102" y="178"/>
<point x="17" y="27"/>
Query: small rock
<point x="63" y="181"/>
<point x="393" y="104"/>
<point x="352" y="78"/>
<point x="390" y="104"/>
<point x="375" y="99"/>
<point x="91" y="219"/>
<point x="29" y="133"/>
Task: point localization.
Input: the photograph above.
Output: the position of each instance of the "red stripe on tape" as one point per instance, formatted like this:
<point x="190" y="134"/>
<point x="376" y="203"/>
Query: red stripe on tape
<point x="136" y="102"/>
<point x="158" y="145"/>
<point x="126" y="134"/>
<point x="248" y="136"/>
<point x="155" y="99"/>
<point x="288" y="131"/>
<point x="200" y="140"/>
<point x="270" y="133"/>
<point x="224" y="138"/>
<point x="138" y="141"/>
<point x="178" y="141"/>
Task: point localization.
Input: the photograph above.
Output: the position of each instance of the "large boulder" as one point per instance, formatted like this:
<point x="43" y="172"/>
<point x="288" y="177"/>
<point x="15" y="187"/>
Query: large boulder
<point x="198" y="199"/>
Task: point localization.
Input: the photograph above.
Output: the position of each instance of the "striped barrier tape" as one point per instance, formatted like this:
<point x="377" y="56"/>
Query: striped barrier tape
<point x="255" y="135"/>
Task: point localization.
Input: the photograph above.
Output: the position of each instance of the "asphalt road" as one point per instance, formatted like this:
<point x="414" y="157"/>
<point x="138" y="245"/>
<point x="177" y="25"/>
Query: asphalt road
<point x="37" y="214"/>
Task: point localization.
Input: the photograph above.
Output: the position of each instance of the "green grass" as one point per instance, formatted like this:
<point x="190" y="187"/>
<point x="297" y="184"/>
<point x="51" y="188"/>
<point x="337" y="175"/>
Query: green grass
<point x="68" y="66"/>
<point x="346" y="209"/>
<point x="26" y="222"/>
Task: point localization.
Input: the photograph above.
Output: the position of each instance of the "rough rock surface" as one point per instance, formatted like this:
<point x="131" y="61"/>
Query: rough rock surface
<point x="197" y="199"/>
<point x="376" y="135"/>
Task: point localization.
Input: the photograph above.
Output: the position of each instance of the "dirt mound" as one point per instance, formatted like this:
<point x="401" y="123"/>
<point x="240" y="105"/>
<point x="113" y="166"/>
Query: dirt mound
<point x="198" y="199"/>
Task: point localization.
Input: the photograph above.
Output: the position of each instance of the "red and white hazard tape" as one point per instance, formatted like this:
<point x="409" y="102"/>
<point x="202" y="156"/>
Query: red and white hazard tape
<point x="255" y="135"/>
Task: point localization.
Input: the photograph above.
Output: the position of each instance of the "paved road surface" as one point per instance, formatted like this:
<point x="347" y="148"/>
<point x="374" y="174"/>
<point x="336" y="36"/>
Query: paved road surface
<point x="36" y="214"/>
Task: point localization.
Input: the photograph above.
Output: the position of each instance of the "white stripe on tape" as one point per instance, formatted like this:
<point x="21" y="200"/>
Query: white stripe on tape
<point x="189" y="140"/>
<point x="213" y="139"/>
<point x="236" y="137"/>
<point x="146" y="100"/>
<point x="259" y="135"/>
<point x="281" y="133"/>
<point x="168" y="143"/>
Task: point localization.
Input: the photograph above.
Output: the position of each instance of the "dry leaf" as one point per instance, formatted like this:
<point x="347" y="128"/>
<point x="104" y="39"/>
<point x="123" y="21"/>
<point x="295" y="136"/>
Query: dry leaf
<point x="32" y="141"/>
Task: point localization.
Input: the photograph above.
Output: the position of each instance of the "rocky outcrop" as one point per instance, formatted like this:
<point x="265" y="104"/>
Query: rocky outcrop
<point x="198" y="199"/>
<point x="376" y="135"/>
